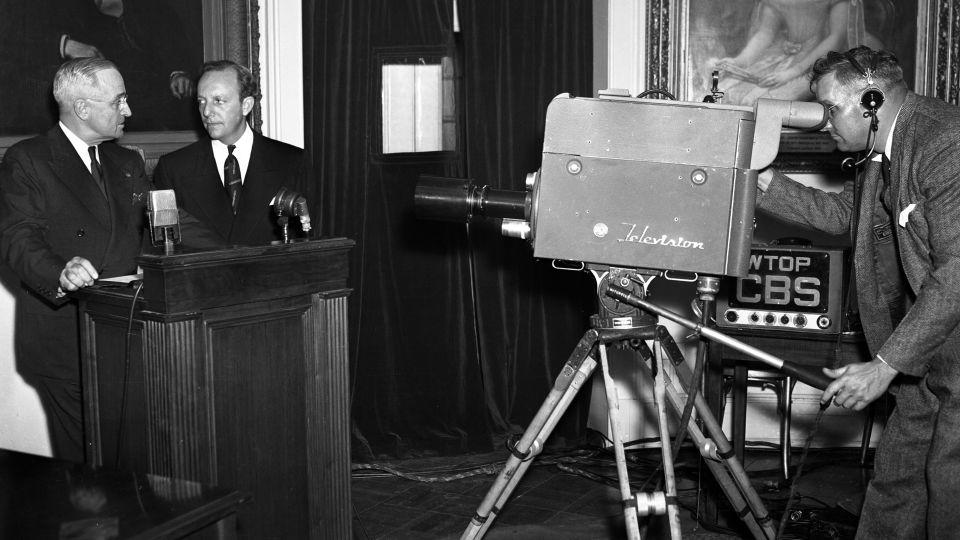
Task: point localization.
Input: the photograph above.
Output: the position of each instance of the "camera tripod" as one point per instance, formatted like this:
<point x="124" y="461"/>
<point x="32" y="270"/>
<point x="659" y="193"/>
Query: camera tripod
<point x="625" y="318"/>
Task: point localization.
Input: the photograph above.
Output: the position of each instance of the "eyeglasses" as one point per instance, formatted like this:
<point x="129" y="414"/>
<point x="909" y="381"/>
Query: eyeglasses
<point x="831" y="111"/>
<point x="115" y="103"/>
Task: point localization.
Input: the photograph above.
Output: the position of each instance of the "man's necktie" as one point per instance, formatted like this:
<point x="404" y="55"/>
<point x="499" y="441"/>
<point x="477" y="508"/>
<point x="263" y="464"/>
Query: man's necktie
<point x="885" y="174"/>
<point x="231" y="177"/>
<point x="95" y="170"/>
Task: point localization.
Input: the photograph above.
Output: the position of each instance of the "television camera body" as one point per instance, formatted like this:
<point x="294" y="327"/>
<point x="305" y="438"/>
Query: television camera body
<point x="636" y="183"/>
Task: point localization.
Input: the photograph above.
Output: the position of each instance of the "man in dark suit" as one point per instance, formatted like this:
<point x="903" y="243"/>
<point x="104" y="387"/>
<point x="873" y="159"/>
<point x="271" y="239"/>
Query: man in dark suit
<point x="215" y="211"/>
<point x="904" y="216"/>
<point x="71" y="211"/>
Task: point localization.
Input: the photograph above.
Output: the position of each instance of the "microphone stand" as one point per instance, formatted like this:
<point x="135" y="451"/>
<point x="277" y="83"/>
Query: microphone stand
<point x="168" y="240"/>
<point x="284" y="221"/>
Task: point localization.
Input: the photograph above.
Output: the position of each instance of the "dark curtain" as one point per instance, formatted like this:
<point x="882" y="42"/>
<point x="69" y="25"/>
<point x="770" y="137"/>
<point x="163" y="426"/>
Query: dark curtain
<point x="456" y="332"/>
<point x="517" y="57"/>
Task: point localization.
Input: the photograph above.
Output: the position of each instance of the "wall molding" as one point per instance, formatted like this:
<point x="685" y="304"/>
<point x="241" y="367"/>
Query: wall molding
<point x="281" y="71"/>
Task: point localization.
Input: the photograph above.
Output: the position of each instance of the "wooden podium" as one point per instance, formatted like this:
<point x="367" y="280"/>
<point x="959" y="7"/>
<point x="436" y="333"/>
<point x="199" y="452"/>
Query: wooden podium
<point x="234" y="373"/>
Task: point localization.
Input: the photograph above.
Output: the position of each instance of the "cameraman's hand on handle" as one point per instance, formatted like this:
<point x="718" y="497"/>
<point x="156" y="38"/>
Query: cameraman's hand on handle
<point x="857" y="385"/>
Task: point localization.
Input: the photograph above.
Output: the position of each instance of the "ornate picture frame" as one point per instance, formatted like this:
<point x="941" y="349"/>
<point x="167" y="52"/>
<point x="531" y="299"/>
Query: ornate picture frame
<point x="230" y="31"/>
<point x="679" y="31"/>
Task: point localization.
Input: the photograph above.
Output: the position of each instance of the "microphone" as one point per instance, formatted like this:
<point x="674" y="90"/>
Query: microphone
<point x="290" y="203"/>
<point x="848" y="164"/>
<point x="164" y="218"/>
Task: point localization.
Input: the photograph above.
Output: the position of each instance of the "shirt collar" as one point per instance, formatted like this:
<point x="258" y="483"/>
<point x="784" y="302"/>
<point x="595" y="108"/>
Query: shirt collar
<point x="79" y="146"/>
<point x="244" y="146"/>
<point x="888" y="145"/>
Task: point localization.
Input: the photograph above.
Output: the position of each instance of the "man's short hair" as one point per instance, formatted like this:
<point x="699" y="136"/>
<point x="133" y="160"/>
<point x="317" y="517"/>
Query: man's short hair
<point x="248" y="84"/>
<point x="75" y="75"/>
<point x="851" y="67"/>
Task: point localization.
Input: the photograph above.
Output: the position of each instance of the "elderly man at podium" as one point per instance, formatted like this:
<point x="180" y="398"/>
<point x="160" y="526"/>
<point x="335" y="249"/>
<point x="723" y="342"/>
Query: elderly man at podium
<point x="226" y="184"/>
<point x="71" y="212"/>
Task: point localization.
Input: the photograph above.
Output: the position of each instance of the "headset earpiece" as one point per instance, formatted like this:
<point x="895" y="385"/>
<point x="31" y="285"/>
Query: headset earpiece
<point x="872" y="97"/>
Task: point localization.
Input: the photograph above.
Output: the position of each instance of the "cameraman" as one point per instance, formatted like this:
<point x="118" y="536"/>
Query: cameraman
<point x="903" y="214"/>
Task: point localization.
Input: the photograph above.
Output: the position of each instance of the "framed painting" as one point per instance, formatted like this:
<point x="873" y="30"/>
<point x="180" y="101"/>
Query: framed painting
<point x="764" y="48"/>
<point x="158" y="47"/>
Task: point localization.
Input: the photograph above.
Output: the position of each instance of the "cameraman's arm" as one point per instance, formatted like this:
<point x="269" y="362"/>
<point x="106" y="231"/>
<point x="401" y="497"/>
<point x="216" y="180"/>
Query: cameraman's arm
<point x="791" y="201"/>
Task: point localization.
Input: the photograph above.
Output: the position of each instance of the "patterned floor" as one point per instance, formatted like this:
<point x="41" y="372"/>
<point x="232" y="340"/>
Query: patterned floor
<point x="574" y="495"/>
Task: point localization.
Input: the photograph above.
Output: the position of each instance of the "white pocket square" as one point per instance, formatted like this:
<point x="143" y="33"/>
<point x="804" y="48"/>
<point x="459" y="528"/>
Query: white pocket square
<point x="905" y="214"/>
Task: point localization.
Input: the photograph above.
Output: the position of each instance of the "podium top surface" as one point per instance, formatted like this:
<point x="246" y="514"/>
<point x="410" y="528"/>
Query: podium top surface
<point x="192" y="281"/>
<point x="182" y="257"/>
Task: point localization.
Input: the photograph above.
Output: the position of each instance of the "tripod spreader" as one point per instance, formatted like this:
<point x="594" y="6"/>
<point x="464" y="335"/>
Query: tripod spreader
<point x="806" y="374"/>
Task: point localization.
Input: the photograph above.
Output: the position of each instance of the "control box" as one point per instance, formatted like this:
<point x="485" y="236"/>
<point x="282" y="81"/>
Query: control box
<point x="787" y="288"/>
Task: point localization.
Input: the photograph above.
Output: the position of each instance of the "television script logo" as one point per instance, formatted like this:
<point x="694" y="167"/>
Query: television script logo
<point x="645" y="237"/>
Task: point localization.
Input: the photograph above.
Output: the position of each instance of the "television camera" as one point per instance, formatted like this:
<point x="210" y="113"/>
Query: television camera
<point x="632" y="189"/>
<point x="636" y="183"/>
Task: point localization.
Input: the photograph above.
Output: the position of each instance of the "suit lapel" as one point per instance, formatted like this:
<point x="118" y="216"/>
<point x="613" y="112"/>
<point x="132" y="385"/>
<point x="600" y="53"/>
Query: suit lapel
<point x="123" y="192"/>
<point x="70" y="171"/>
<point x="871" y="307"/>
<point x="899" y="187"/>
<point x="209" y="192"/>
<point x="864" y="238"/>
<point x="898" y="173"/>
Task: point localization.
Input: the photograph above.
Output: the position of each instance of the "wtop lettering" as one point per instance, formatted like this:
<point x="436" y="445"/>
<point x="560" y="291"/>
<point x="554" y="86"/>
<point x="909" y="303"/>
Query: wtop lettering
<point x="779" y="263"/>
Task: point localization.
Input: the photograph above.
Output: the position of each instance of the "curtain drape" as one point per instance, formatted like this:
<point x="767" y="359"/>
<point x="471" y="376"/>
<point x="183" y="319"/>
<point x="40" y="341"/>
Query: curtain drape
<point x="456" y="332"/>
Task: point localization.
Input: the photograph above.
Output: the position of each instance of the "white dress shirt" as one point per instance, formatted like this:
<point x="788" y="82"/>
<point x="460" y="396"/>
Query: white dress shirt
<point x="81" y="147"/>
<point x="242" y="151"/>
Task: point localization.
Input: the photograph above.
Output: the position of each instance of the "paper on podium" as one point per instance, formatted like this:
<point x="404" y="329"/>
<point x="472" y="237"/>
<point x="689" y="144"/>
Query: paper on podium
<point x="121" y="279"/>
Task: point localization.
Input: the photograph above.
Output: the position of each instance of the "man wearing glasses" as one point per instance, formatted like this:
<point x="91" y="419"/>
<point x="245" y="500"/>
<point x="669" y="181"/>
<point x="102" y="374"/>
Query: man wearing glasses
<point x="903" y="214"/>
<point x="71" y="212"/>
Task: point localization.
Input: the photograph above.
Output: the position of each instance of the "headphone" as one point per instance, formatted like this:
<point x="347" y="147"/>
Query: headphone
<point x="871" y="98"/>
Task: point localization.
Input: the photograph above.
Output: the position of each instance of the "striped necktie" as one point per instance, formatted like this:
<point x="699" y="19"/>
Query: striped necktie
<point x="231" y="177"/>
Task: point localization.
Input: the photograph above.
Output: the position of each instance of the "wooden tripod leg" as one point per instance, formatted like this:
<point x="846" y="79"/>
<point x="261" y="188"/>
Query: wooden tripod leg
<point x="683" y="377"/>
<point x="575" y="372"/>
<point x="613" y="408"/>
<point x="759" y="524"/>
<point x="670" y="484"/>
